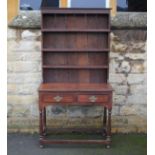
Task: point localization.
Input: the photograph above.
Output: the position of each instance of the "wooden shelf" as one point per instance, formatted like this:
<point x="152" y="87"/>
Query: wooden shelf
<point x="48" y="10"/>
<point x="75" y="30"/>
<point x="74" y="50"/>
<point x="75" y="67"/>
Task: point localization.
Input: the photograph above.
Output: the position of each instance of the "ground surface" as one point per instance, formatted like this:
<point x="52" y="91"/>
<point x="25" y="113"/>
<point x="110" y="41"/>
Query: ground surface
<point x="26" y="144"/>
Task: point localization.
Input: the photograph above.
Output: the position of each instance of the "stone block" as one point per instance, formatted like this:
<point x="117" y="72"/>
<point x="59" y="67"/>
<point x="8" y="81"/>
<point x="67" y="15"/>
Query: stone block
<point x="20" y="110"/>
<point x="128" y="124"/>
<point x="34" y="110"/>
<point x="30" y="45"/>
<point x="58" y="110"/>
<point x="138" y="67"/>
<point x="22" y="66"/>
<point x="114" y="37"/>
<point x="137" y="99"/>
<point x="92" y="111"/>
<point x="15" y="100"/>
<point x="113" y="55"/>
<point x="22" y="78"/>
<point x="113" y="66"/>
<point x="9" y="110"/>
<point x="137" y="47"/>
<point x="124" y="67"/>
<point x="11" y="45"/>
<point x="11" y="34"/>
<point x="30" y="35"/>
<point x="136" y="78"/>
<point x="117" y="78"/>
<point x="136" y="56"/>
<point x="120" y="89"/>
<point x="74" y="111"/>
<point x="23" y="89"/>
<point x="115" y="110"/>
<point x="140" y="110"/>
<point x="138" y="89"/>
<point x="24" y="56"/>
<point x="119" y="99"/>
<point x="118" y="47"/>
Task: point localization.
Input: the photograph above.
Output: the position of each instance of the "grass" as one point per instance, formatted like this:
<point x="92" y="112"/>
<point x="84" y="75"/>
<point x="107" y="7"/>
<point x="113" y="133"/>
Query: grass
<point x="122" y="144"/>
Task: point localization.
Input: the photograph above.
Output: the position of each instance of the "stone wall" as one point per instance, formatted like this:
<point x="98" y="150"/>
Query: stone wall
<point x="127" y="76"/>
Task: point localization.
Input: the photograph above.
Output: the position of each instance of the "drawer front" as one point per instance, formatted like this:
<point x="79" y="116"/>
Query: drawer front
<point x="93" y="98"/>
<point x="54" y="98"/>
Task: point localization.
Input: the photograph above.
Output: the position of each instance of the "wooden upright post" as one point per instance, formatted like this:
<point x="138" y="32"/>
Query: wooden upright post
<point x="13" y="7"/>
<point x="63" y="3"/>
<point x="113" y="5"/>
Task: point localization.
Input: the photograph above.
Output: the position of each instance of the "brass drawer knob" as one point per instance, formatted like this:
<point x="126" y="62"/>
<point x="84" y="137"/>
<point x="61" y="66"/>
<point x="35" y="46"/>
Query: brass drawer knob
<point x="92" y="98"/>
<point x="58" y="98"/>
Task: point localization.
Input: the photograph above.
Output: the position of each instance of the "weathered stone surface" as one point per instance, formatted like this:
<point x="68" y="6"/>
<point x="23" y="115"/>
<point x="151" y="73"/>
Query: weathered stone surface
<point x="20" y="110"/>
<point x="138" y="67"/>
<point x="93" y="111"/>
<point x="21" y="66"/>
<point x="119" y="99"/>
<point x="117" y="78"/>
<point x="24" y="78"/>
<point x="129" y="20"/>
<point x="11" y="45"/>
<point x="11" y="34"/>
<point x="115" y="110"/>
<point x="25" y="124"/>
<point x="124" y="67"/>
<point x="127" y="124"/>
<point x="34" y="110"/>
<point x="133" y="110"/>
<point x="113" y="55"/>
<point x="136" y="56"/>
<point x="32" y="19"/>
<point x="23" y="89"/>
<point x="135" y="78"/>
<point x="120" y="89"/>
<point x="30" y="46"/>
<point x="24" y="56"/>
<point x="138" y="89"/>
<point x="114" y="37"/>
<point x="56" y="111"/>
<point x="131" y="37"/>
<point x="27" y="19"/>
<point x="136" y="99"/>
<point x="30" y="35"/>
<point x="75" y="111"/>
<point x="118" y="47"/>
<point x="113" y="66"/>
<point x="9" y="110"/>
<point x="137" y="47"/>
<point x="22" y="99"/>
<point x="120" y="58"/>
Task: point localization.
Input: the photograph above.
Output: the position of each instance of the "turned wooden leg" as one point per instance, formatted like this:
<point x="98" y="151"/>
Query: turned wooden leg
<point x="44" y="122"/>
<point x="41" y="127"/>
<point x="104" y="122"/>
<point x="108" y="137"/>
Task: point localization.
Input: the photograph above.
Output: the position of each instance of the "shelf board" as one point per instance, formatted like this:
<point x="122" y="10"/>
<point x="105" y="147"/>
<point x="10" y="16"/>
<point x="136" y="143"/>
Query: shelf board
<point x="74" y="50"/>
<point x="74" y="67"/>
<point x="75" y="30"/>
<point x="48" y="10"/>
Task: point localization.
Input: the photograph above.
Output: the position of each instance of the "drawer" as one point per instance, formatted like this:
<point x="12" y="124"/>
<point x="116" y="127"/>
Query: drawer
<point x="93" y="98"/>
<point x="56" y="98"/>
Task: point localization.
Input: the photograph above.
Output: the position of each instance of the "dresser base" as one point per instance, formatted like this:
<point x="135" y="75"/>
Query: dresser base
<point x="75" y="94"/>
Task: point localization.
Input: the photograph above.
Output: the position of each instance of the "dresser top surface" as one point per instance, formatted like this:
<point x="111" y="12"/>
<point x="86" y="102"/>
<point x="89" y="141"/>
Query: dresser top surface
<point x="75" y="87"/>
